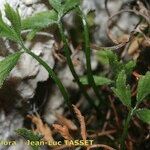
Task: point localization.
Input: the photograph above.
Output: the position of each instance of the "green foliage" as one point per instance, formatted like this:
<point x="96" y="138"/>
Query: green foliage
<point x="69" y="5"/>
<point x="6" y="31"/>
<point x="32" y="34"/>
<point x="11" y="32"/>
<point x="29" y="135"/>
<point x="102" y="56"/>
<point x="143" y="89"/>
<point x="98" y="80"/>
<point x="129" y="67"/>
<point x="14" y="18"/>
<point x="122" y="90"/>
<point x="40" y="20"/>
<point x="63" y="6"/>
<point x="109" y="57"/>
<point x="7" y="65"/>
<point x="144" y="115"/>
<point x="56" y="4"/>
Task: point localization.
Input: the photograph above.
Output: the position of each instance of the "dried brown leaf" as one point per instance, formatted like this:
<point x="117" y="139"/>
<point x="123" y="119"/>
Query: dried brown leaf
<point x="41" y="127"/>
<point x="134" y="46"/>
<point x="146" y="42"/>
<point x="63" y="130"/>
<point x="66" y="122"/>
<point x="82" y="122"/>
<point x="102" y="133"/>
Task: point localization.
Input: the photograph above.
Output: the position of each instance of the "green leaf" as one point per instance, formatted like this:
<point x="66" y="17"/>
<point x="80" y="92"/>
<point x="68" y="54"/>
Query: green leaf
<point x="7" y="65"/>
<point x="98" y="80"/>
<point x="112" y="57"/>
<point x="56" y="4"/>
<point x="130" y="66"/>
<point x="69" y="5"/>
<point x="6" y="31"/>
<point x="40" y="20"/>
<point x="14" y="17"/>
<point x="144" y="115"/>
<point x="64" y="6"/>
<point x="122" y="90"/>
<point x="143" y="89"/>
<point x="29" y="135"/>
<point x="109" y="57"/>
<point x="102" y="57"/>
<point x="32" y="34"/>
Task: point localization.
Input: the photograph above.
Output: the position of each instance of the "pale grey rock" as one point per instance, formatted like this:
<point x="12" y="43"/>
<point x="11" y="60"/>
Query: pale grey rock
<point x="29" y="2"/>
<point x="53" y="106"/>
<point x="65" y="74"/>
<point x="20" y="146"/>
<point x="126" y="21"/>
<point x="67" y="78"/>
<point x="8" y="124"/>
<point x="29" y="68"/>
<point x="28" y="71"/>
<point x="30" y="7"/>
<point x="26" y="67"/>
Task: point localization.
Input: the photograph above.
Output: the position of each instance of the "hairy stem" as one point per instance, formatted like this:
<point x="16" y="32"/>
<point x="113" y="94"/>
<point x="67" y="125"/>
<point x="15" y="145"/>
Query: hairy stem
<point x="88" y="55"/>
<point x="52" y="75"/>
<point x="71" y="66"/>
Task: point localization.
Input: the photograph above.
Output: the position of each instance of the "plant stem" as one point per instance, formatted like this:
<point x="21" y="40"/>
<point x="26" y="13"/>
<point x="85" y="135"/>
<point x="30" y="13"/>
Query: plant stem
<point x="52" y="75"/>
<point x="88" y="55"/>
<point x="125" y="130"/>
<point x="71" y="66"/>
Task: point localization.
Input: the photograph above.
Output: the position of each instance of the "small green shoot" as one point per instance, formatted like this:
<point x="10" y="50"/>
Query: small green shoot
<point x="109" y="57"/>
<point x="40" y="20"/>
<point x="14" y="18"/>
<point x="64" y="6"/>
<point x="143" y="89"/>
<point x="98" y="80"/>
<point x="7" y="65"/>
<point x="122" y="90"/>
<point x="28" y="135"/>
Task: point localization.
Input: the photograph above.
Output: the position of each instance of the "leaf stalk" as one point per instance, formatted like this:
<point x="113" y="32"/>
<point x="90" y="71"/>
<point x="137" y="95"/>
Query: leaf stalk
<point x="126" y="126"/>
<point x="70" y="64"/>
<point x="88" y="55"/>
